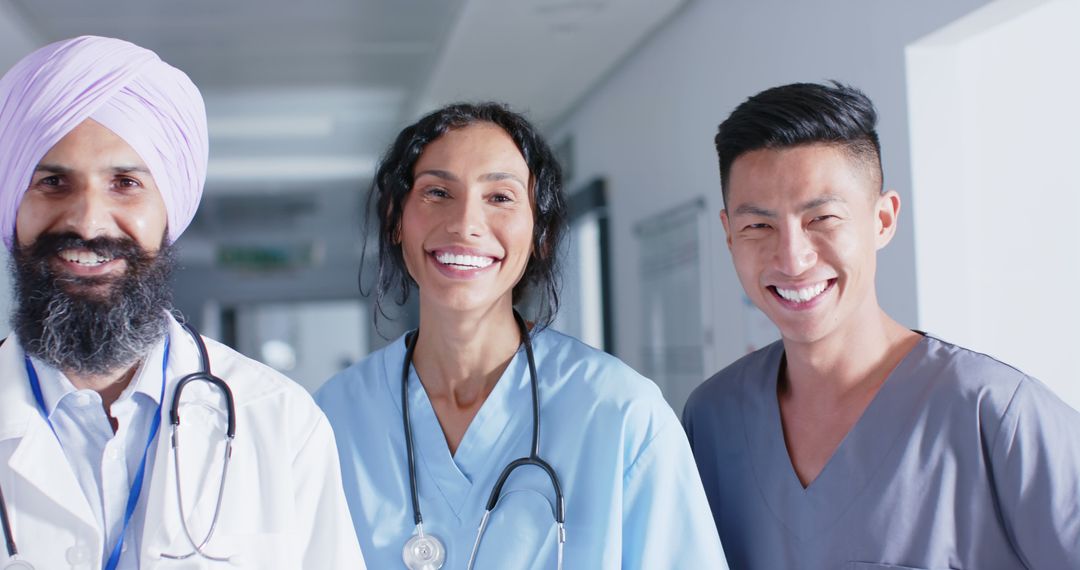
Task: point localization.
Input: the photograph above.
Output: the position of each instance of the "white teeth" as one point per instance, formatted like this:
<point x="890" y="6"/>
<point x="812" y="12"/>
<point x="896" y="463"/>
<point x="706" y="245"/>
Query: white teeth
<point x="471" y="261"/>
<point x="83" y="257"/>
<point x="802" y="295"/>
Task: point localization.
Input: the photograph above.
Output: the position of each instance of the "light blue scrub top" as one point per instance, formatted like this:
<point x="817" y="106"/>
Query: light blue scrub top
<point x="959" y="462"/>
<point x="633" y="495"/>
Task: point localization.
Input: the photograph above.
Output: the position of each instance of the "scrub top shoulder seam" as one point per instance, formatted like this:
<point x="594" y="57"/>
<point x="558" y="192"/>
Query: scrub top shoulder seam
<point x="646" y="449"/>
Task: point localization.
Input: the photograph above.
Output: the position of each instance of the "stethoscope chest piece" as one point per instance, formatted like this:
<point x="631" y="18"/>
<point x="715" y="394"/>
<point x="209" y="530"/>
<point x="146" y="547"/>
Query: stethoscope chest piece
<point x="423" y="552"/>
<point x="15" y="564"/>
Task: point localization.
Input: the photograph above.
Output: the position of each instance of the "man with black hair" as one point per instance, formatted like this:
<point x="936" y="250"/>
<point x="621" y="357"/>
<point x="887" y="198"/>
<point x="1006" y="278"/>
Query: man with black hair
<point x="855" y="442"/>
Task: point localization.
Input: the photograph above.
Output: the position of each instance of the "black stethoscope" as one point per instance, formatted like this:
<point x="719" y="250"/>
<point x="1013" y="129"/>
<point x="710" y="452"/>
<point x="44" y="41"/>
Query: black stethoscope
<point x="425" y="551"/>
<point x="14" y="562"/>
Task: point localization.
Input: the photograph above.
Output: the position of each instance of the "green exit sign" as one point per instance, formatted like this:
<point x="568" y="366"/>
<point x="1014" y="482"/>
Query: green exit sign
<point x="264" y="258"/>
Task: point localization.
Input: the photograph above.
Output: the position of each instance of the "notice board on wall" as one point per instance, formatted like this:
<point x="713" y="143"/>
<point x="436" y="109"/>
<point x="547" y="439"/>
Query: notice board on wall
<point x="674" y="310"/>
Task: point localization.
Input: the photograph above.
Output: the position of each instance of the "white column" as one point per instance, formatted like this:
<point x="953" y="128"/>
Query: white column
<point x="995" y="133"/>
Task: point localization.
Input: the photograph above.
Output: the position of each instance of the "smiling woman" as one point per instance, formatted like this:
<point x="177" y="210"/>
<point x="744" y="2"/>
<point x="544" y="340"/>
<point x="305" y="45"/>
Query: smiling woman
<point x="473" y="214"/>
<point x="467" y="224"/>
<point x="529" y="160"/>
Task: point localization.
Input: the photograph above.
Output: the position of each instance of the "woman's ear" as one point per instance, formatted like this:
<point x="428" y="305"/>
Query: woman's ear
<point x="395" y="234"/>
<point x="543" y="246"/>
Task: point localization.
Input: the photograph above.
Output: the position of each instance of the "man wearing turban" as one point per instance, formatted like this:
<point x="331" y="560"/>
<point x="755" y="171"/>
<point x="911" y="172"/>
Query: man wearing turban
<point x="103" y="153"/>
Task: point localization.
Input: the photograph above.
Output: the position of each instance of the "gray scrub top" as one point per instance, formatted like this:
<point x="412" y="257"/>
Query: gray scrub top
<point x="959" y="462"/>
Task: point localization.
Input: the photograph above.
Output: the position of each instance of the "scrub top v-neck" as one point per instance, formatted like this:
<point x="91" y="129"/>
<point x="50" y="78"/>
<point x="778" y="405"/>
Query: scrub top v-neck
<point x="812" y="510"/>
<point x="494" y="423"/>
<point x="632" y="493"/>
<point x="946" y="468"/>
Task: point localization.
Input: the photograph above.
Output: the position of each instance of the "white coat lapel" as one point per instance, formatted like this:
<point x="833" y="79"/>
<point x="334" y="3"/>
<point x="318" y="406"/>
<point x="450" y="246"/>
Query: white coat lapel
<point x="41" y="462"/>
<point x="38" y="458"/>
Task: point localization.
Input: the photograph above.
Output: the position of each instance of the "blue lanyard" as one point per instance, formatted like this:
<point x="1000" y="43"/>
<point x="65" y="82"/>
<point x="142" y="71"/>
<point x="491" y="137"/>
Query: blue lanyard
<point x="136" y="485"/>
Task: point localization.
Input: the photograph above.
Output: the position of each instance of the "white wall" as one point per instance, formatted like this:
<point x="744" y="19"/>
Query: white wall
<point x="325" y="337"/>
<point x="995" y="116"/>
<point x="648" y="128"/>
<point x="15" y="42"/>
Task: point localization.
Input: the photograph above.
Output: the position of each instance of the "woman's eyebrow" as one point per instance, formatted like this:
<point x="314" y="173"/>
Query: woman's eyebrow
<point x="443" y="174"/>
<point x="499" y="176"/>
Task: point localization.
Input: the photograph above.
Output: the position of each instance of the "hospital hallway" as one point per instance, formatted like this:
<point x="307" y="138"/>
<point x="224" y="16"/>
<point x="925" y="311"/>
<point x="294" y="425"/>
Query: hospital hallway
<point x="303" y="98"/>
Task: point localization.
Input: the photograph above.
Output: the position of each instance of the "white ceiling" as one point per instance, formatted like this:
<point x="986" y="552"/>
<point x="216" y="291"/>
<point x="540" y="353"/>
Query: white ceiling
<point x="241" y="44"/>
<point x="542" y="56"/>
<point x="302" y="94"/>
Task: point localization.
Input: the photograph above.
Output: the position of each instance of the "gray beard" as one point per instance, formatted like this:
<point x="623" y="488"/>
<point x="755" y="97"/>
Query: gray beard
<point x="91" y="333"/>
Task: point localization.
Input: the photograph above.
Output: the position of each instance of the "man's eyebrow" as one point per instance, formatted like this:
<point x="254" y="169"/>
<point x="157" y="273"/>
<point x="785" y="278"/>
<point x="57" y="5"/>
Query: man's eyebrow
<point x="498" y="176"/>
<point x="438" y="174"/>
<point x="820" y="201"/>
<point x="57" y="169"/>
<point x="752" y="210"/>
<point x="52" y="169"/>
<point x="129" y="169"/>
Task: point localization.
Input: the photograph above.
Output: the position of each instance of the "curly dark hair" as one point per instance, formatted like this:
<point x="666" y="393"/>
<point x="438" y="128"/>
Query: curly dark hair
<point x="394" y="180"/>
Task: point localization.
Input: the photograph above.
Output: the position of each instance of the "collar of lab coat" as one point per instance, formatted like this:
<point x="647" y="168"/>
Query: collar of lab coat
<point x="146" y="382"/>
<point x="38" y="459"/>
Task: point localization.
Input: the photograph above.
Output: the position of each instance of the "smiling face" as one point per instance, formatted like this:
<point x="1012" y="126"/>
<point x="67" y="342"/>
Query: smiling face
<point x="91" y="185"/>
<point x="467" y="224"/>
<point x="90" y="267"/>
<point x="804" y="225"/>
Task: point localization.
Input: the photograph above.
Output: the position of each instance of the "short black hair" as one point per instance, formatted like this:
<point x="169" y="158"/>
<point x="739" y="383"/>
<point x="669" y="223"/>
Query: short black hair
<point x="394" y="180"/>
<point x="799" y="114"/>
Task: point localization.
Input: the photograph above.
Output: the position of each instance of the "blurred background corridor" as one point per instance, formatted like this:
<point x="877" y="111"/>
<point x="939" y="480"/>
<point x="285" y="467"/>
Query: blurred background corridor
<point x="303" y="97"/>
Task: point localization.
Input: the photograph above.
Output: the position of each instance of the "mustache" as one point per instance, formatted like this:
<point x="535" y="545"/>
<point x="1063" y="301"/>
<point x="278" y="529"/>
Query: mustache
<point x="114" y="247"/>
<point x="57" y="320"/>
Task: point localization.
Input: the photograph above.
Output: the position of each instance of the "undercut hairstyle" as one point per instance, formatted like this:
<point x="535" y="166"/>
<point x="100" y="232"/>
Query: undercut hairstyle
<point x="394" y="180"/>
<point x="801" y="114"/>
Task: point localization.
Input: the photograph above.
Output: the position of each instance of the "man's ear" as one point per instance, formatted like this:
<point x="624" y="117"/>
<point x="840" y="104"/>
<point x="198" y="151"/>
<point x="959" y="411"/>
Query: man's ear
<point x="887" y="215"/>
<point x="727" y="226"/>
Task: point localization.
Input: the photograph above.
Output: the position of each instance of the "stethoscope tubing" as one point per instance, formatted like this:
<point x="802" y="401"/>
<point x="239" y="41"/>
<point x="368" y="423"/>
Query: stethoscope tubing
<point x="533" y="458"/>
<point x="203" y="375"/>
<point x="174" y="417"/>
<point x="13" y="562"/>
<point x="9" y="537"/>
<point x="410" y="348"/>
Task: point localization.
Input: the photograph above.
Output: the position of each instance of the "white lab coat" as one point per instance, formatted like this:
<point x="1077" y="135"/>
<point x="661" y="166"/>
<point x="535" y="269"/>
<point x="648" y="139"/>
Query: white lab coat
<point x="283" y="506"/>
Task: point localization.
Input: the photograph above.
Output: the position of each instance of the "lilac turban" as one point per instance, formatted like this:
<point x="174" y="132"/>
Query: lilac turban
<point x="153" y="106"/>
